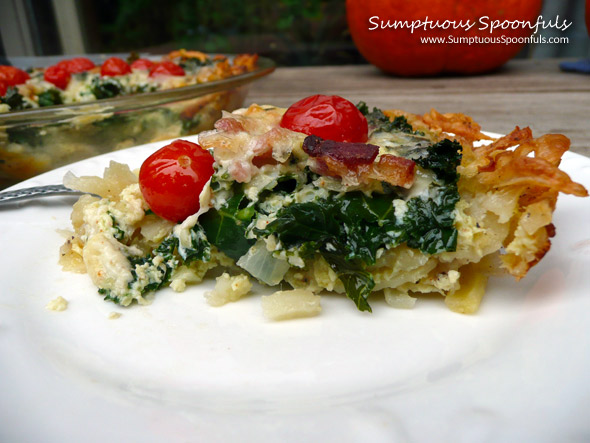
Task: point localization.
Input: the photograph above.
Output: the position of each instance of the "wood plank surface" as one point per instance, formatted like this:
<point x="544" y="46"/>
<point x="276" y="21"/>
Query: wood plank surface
<point x="531" y="93"/>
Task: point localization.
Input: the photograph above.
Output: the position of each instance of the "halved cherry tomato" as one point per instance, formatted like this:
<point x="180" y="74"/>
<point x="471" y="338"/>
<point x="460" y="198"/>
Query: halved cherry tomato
<point x="77" y="64"/>
<point x="12" y="76"/>
<point x="172" y="178"/>
<point x="114" y="66"/>
<point x="58" y="75"/>
<point x="166" y="68"/>
<point x="328" y="116"/>
<point x="142" y="63"/>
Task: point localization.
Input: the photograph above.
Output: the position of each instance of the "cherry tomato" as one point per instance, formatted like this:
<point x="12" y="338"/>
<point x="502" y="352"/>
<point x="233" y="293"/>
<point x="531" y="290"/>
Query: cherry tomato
<point x="114" y="66"/>
<point x="142" y="63"/>
<point x="3" y="88"/>
<point x="12" y="76"/>
<point x="58" y="75"/>
<point x="76" y="65"/>
<point x="172" y="178"/>
<point x="328" y="116"/>
<point x="166" y="68"/>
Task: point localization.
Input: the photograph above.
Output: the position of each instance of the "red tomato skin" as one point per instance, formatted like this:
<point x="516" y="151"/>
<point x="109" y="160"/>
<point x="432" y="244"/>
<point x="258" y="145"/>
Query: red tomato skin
<point x="172" y="178"/>
<point x="12" y="76"/>
<point x="114" y="66"/>
<point x="327" y="116"/>
<point x="77" y="64"/>
<point x="3" y="88"/>
<point x="142" y="63"/>
<point x="166" y="68"/>
<point x="58" y="75"/>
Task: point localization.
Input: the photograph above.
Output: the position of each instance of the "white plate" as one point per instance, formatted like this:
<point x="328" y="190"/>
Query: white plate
<point x="180" y="370"/>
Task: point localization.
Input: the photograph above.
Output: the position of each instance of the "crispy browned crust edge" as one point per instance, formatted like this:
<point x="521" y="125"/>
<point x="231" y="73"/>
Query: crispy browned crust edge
<point x="506" y="163"/>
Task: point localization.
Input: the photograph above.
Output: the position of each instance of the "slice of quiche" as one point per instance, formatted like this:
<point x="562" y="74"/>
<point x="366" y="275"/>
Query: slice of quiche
<point x="325" y="197"/>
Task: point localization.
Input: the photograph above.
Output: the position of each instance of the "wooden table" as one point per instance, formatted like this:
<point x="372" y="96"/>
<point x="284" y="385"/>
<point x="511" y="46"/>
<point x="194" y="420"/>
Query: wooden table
<point x="531" y="93"/>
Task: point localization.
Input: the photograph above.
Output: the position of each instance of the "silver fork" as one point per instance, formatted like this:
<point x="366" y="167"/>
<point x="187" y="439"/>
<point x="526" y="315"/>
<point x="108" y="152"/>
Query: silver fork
<point x="35" y="192"/>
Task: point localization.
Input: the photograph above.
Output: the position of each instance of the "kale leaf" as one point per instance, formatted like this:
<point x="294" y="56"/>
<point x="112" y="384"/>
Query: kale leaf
<point x="190" y="124"/>
<point x="164" y="270"/>
<point x="200" y="248"/>
<point x="105" y="87"/>
<point x="379" y="122"/>
<point x="357" y="282"/>
<point x="226" y="227"/>
<point x="354" y="225"/>
<point x="349" y="230"/>
<point x="15" y="100"/>
<point x="118" y="233"/>
<point x="429" y="224"/>
<point x="26" y="135"/>
<point x="193" y="64"/>
<point x="443" y="158"/>
<point x="171" y="257"/>
<point x="50" y="97"/>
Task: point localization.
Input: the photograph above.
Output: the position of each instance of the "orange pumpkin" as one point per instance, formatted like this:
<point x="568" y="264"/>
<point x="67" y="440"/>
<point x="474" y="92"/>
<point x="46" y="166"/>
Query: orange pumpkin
<point x="399" y="51"/>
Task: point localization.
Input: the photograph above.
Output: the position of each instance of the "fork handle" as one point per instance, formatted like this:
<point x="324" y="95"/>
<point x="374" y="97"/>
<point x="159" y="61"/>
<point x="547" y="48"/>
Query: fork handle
<point x="37" y="191"/>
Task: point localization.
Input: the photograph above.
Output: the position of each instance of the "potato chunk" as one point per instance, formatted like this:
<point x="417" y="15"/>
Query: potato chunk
<point x="228" y="289"/>
<point x="296" y="303"/>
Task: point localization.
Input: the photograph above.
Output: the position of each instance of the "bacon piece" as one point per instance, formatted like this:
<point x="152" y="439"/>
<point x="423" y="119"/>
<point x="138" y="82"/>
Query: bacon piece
<point x="355" y="163"/>
<point x="396" y="171"/>
<point x="349" y="154"/>
<point x="230" y="125"/>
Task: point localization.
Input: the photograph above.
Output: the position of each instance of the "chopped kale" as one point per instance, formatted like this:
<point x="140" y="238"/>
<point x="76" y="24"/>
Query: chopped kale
<point x="111" y="123"/>
<point x="443" y="159"/>
<point x="347" y="239"/>
<point x="108" y="295"/>
<point x="50" y="97"/>
<point x="354" y="225"/>
<point x="162" y="271"/>
<point x="137" y="89"/>
<point x="118" y="233"/>
<point x="15" y="100"/>
<point x="358" y="283"/>
<point x="193" y="64"/>
<point x="429" y="223"/>
<point x="123" y="124"/>
<point x="379" y="122"/>
<point x="190" y="124"/>
<point x="159" y="264"/>
<point x="349" y="231"/>
<point x="81" y="76"/>
<point x="105" y="87"/>
<point x="226" y="227"/>
<point x="200" y="247"/>
<point x="25" y="135"/>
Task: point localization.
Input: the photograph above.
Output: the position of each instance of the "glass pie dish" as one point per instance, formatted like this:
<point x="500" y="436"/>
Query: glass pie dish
<point x="37" y="140"/>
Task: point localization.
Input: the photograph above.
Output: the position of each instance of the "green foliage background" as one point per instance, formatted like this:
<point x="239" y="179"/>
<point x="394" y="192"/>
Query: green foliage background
<point x="308" y="32"/>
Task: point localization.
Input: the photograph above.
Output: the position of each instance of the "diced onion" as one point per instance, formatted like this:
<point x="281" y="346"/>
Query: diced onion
<point x="261" y="264"/>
